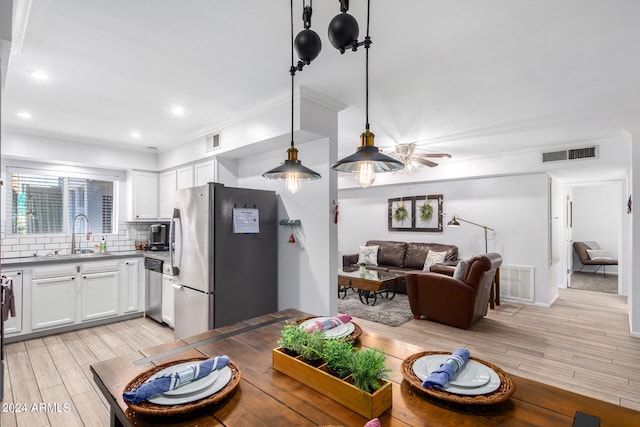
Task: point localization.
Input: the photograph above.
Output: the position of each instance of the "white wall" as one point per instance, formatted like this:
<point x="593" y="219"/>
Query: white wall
<point x="515" y="206"/>
<point x="307" y="275"/>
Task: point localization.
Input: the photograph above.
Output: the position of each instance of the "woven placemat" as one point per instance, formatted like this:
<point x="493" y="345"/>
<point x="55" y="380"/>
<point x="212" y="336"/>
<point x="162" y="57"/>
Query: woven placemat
<point x="354" y="335"/>
<point x="152" y="409"/>
<point x="504" y="391"/>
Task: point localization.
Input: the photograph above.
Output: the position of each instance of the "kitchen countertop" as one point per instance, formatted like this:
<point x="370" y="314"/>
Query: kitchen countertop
<point x="60" y="259"/>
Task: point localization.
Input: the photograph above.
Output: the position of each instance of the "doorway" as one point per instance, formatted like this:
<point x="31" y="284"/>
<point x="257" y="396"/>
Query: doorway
<point x="595" y="215"/>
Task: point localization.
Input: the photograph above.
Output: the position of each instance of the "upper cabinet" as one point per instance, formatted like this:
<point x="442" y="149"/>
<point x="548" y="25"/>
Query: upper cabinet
<point x="167" y="193"/>
<point x="144" y="195"/>
<point x="205" y="172"/>
<point x="184" y="177"/>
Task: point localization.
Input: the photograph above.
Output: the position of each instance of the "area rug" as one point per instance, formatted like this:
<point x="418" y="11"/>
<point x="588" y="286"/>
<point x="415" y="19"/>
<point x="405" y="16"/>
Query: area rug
<point x="594" y="282"/>
<point x="392" y="312"/>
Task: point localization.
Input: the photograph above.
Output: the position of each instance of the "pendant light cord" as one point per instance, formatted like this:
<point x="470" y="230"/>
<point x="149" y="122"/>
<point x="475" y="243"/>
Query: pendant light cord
<point x="292" y="71"/>
<point x="367" y="43"/>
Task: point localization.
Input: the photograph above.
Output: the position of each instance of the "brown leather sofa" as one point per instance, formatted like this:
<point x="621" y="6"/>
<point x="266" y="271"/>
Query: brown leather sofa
<point x="459" y="303"/>
<point x="404" y="257"/>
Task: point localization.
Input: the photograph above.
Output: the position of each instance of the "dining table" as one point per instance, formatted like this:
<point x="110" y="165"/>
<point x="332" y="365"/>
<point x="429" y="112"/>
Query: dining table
<point x="266" y="397"/>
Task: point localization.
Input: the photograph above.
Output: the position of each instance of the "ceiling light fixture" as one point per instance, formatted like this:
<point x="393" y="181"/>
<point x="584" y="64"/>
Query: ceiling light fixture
<point x="38" y="75"/>
<point x="25" y="115"/>
<point x="136" y="135"/>
<point x="368" y="160"/>
<point x="177" y="111"/>
<point x="308" y="46"/>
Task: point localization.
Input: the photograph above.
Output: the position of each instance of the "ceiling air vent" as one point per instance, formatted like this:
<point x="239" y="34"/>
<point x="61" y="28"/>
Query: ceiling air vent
<point x="570" y="154"/>
<point x="213" y="142"/>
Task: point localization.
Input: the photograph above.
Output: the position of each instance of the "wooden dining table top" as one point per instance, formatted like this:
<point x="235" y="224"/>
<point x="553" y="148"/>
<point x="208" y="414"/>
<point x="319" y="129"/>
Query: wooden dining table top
<point x="266" y="397"/>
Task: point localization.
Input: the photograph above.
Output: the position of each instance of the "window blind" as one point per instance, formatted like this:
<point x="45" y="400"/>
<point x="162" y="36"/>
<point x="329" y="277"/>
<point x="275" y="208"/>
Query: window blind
<point x="47" y="204"/>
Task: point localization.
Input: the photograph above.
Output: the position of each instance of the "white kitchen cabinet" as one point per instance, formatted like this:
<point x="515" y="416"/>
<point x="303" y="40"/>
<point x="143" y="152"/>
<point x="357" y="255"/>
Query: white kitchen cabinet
<point x="99" y="290"/>
<point x="168" y="298"/>
<point x="184" y="177"/>
<point x="144" y="195"/>
<point x="205" y="172"/>
<point x="167" y="194"/>
<point x="13" y="325"/>
<point x="131" y="289"/>
<point x="53" y="296"/>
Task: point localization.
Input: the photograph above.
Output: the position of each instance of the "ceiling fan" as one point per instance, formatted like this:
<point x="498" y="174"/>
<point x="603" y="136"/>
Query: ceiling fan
<point x="413" y="161"/>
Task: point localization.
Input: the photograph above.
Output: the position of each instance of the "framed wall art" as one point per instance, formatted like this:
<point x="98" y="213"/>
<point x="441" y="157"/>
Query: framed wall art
<point x="428" y="213"/>
<point x="418" y="213"/>
<point x="400" y="214"/>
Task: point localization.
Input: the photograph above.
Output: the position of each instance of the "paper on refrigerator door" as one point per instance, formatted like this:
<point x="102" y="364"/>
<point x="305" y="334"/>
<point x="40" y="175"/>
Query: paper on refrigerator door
<point x="246" y="220"/>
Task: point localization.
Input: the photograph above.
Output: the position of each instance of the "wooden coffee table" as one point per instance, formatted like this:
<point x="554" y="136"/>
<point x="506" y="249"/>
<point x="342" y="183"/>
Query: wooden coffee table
<point x="369" y="285"/>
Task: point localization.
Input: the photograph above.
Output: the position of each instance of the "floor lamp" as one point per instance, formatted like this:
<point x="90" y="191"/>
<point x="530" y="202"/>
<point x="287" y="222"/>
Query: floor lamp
<point x="454" y="223"/>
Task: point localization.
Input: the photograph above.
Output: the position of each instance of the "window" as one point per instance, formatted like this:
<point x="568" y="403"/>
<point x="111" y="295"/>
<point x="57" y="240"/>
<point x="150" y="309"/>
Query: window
<point x="43" y="203"/>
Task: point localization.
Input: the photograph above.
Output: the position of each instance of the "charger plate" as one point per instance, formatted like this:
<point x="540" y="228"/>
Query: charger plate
<point x="352" y="337"/>
<point x="148" y="408"/>
<point x="503" y="393"/>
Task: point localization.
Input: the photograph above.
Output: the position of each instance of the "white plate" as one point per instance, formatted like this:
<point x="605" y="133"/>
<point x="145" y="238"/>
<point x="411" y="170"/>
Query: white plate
<point x="189" y="387"/>
<point x="224" y="375"/>
<point x="472" y="374"/>
<point x="421" y="369"/>
<point x="339" y="331"/>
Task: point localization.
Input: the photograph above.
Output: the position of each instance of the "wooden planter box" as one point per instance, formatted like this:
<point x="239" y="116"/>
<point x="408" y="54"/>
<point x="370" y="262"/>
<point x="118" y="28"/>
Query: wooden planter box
<point x="341" y="390"/>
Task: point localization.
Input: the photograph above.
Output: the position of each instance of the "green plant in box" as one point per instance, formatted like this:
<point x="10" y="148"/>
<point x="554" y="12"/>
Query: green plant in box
<point x="292" y="337"/>
<point x="338" y="354"/>
<point x="313" y="344"/>
<point x="367" y="368"/>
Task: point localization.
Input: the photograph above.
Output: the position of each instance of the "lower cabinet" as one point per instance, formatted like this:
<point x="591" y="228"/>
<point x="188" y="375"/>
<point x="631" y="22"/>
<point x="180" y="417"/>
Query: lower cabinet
<point x="131" y="288"/>
<point x="62" y="295"/>
<point x="99" y="290"/>
<point x="13" y="325"/>
<point x="168" y="299"/>
<point x="53" y="297"/>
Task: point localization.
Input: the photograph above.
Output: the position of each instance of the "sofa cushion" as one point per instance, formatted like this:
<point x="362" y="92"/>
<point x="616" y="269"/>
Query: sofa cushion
<point x="433" y="257"/>
<point x="390" y="253"/>
<point x="416" y="255"/>
<point x="368" y="255"/>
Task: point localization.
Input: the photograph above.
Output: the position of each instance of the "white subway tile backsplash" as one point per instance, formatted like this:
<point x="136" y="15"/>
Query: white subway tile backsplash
<point x="43" y="240"/>
<point x="59" y="239"/>
<point x="27" y="240"/>
<point x="10" y="242"/>
<point x="36" y="247"/>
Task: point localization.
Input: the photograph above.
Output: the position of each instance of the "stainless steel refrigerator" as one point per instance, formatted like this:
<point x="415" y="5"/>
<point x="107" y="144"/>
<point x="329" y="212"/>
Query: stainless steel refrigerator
<point x="224" y="256"/>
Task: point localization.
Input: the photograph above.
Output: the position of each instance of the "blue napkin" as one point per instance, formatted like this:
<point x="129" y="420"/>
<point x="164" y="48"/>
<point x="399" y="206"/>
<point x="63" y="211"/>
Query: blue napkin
<point x="441" y="376"/>
<point x="172" y="381"/>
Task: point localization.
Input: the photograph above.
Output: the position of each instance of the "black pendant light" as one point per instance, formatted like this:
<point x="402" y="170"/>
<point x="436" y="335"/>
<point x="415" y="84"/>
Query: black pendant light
<point x="308" y="46"/>
<point x="368" y="160"/>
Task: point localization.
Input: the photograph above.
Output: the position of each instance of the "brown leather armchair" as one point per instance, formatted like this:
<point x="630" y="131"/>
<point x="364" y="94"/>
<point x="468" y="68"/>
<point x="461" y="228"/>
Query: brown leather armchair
<point x="459" y="303"/>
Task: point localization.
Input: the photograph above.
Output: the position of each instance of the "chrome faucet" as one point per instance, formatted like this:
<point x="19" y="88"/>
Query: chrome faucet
<point x="73" y="232"/>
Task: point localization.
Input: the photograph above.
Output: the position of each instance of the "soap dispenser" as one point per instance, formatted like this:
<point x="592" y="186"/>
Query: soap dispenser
<point x="103" y="246"/>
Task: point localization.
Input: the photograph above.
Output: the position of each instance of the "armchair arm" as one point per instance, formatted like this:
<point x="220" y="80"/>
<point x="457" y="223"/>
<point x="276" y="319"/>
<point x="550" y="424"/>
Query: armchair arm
<point x="441" y="298"/>
<point x="349" y="260"/>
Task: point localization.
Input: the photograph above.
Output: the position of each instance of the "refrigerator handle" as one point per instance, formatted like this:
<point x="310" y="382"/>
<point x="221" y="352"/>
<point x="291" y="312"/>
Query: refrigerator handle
<point x="175" y="242"/>
<point x="178" y="287"/>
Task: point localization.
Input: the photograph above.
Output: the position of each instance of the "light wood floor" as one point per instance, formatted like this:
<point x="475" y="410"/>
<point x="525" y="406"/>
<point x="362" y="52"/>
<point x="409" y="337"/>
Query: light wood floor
<point x="581" y="344"/>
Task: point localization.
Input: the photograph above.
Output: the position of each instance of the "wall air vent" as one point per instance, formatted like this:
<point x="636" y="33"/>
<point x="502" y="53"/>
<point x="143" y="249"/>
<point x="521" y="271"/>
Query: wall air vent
<point x="212" y="142"/>
<point x="570" y="154"/>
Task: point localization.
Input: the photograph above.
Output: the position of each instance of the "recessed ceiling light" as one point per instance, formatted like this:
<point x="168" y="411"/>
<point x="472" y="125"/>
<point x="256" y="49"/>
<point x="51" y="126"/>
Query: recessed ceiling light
<point x="24" y="115"/>
<point x="38" y="75"/>
<point x="177" y="110"/>
<point x="136" y="135"/>
<point x="152" y="149"/>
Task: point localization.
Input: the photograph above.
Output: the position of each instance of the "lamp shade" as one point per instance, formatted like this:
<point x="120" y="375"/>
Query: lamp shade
<point x="369" y="153"/>
<point x="289" y="167"/>
<point x="454" y="222"/>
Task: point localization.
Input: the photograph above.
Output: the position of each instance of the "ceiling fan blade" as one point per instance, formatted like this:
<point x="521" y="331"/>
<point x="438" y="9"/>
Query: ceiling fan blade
<point x="426" y="162"/>
<point x="438" y="155"/>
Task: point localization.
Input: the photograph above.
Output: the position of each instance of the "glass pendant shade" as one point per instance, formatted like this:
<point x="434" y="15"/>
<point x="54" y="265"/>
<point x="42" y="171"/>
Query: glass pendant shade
<point x="292" y="172"/>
